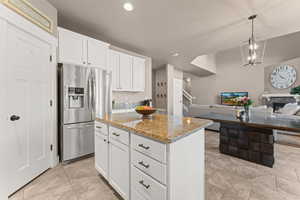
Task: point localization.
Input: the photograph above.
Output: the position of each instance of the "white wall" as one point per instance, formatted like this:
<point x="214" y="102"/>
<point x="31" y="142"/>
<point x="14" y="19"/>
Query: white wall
<point x="232" y="76"/>
<point x="207" y="62"/>
<point x="172" y="73"/>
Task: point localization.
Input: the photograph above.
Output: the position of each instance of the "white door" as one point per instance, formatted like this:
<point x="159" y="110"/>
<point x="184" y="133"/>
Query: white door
<point x="97" y="53"/>
<point x="125" y="72"/>
<point x="72" y="47"/>
<point x="114" y="65"/>
<point x="177" y="98"/>
<point x="138" y="73"/>
<point x="119" y="168"/>
<point x="101" y="154"/>
<point x="28" y="92"/>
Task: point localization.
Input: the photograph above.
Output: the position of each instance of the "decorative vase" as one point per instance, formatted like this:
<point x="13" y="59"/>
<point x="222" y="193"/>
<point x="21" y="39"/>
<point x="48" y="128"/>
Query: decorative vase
<point x="247" y="113"/>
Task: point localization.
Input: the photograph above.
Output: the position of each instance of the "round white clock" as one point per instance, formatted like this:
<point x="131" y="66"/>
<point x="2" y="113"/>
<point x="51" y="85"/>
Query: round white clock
<point x="283" y="76"/>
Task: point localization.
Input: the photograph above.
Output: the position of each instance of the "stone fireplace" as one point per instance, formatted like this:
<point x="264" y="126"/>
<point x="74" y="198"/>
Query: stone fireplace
<point x="277" y="101"/>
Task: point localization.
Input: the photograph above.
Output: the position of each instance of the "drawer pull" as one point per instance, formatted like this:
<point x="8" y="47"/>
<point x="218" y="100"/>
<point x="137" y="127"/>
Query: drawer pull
<point x="98" y="127"/>
<point x="144" y="165"/>
<point x="144" y="147"/>
<point x="115" y="134"/>
<point x="143" y="184"/>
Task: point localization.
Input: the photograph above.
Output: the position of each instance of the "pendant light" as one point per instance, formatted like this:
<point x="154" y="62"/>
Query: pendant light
<point x="253" y="50"/>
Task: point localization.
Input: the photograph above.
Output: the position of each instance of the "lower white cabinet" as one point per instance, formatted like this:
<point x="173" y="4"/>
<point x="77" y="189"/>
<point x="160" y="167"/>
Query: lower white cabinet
<point x="119" y="168"/>
<point x="101" y="154"/>
<point x="154" y="171"/>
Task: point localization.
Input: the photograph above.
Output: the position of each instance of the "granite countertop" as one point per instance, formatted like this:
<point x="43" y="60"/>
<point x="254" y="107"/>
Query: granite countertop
<point x="160" y="127"/>
<point x="271" y="122"/>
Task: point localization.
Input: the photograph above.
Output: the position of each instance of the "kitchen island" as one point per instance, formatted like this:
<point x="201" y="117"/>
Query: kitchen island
<point x="251" y="138"/>
<point x="159" y="158"/>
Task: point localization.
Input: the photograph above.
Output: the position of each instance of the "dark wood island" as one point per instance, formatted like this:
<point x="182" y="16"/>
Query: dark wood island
<point x="252" y="138"/>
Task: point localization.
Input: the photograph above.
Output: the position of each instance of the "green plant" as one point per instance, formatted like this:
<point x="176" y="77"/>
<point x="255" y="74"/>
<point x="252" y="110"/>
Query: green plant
<point x="295" y="90"/>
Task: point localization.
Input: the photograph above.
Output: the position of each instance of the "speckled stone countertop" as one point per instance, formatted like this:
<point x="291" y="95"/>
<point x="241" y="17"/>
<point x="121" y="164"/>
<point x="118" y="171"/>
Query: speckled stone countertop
<point x="159" y="127"/>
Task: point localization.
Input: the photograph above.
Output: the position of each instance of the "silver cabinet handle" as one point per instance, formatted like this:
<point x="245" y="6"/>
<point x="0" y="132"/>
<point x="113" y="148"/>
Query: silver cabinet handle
<point x="144" y="165"/>
<point x="144" y="185"/>
<point x="115" y="134"/>
<point x="144" y="147"/>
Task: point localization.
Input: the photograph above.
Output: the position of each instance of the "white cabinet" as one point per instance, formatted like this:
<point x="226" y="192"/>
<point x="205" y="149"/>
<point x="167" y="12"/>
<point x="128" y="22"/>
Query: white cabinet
<point x="128" y="72"/>
<point x="125" y="72"/>
<point x="119" y="168"/>
<point x="97" y="53"/>
<point x="101" y="154"/>
<point x="114" y="65"/>
<point x="138" y="74"/>
<point x="156" y="168"/>
<point x="78" y="49"/>
<point x="72" y="47"/>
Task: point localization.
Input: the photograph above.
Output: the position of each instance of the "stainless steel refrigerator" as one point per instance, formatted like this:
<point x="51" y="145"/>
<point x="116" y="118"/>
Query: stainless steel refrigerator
<point x="83" y="93"/>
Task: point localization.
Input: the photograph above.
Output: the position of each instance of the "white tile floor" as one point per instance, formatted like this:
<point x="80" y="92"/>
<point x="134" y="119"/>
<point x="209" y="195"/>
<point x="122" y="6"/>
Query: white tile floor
<point x="227" y="178"/>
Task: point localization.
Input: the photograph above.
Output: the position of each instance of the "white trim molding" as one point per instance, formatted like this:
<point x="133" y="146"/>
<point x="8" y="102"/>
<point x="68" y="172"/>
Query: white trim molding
<point x="19" y="21"/>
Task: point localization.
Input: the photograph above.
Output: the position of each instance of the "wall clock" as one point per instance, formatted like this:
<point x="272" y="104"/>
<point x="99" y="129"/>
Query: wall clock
<point x="283" y="76"/>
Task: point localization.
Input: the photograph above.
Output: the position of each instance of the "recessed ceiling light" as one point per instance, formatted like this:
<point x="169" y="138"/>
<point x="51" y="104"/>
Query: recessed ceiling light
<point x="175" y="54"/>
<point x="128" y="6"/>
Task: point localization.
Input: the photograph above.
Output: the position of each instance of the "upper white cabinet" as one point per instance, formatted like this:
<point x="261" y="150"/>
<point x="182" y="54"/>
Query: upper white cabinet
<point x="97" y="53"/>
<point x="72" y="47"/>
<point x="128" y="72"/>
<point x="114" y="65"/>
<point x="138" y="74"/>
<point x="78" y="49"/>
<point x="125" y="72"/>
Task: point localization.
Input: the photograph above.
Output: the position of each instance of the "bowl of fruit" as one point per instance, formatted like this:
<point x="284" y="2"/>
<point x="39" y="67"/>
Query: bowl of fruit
<point x="146" y="111"/>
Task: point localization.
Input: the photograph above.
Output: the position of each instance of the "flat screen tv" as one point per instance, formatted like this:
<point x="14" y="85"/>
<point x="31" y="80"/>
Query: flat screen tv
<point x="226" y="97"/>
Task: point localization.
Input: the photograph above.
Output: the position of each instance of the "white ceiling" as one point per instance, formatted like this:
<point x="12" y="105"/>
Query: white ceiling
<point x="158" y="28"/>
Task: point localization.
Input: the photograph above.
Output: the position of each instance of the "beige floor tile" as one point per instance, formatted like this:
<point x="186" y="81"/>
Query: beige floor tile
<point x="289" y="187"/>
<point x="227" y="178"/>
<point x="92" y="188"/>
<point x="81" y="169"/>
<point x="53" y="182"/>
<point x="18" y="195"/>
<point x="212" y="192"/>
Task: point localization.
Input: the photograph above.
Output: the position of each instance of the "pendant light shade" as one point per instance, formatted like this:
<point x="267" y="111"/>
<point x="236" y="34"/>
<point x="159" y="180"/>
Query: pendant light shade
<point x="252" y="50"/>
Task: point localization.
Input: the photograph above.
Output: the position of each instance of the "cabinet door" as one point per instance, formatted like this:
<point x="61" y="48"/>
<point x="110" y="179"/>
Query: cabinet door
<point x="71" y="47"/>
<point x="119" y="168"/>
<point x="125" y="72"/>
<point x="97" y="53"/>
<point x="138" y="74"/>
<point x="114" y="65"/>
<point x="101" y="154"/>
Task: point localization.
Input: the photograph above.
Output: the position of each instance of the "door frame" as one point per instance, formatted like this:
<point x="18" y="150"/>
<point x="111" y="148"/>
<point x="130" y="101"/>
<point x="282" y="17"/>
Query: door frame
<point x="9" y="16"/>
<point x="176" y="92"/>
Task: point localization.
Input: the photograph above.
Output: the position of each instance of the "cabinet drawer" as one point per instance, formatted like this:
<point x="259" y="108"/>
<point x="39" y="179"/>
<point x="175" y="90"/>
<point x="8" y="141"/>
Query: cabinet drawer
<point x="146" y="186"/>
<point x="149" y="147"/>
<point x="119" y="135"/>
<point x="101" y="128"/>
<point x="151" y="167"/>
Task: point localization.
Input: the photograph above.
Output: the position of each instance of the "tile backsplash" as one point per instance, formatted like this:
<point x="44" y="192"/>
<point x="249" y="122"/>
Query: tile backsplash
<point x="123" y="106"/>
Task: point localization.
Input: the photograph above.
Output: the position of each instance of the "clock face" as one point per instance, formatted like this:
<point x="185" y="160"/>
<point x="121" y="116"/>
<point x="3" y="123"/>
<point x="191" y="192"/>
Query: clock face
<point x="283" y="76"/>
